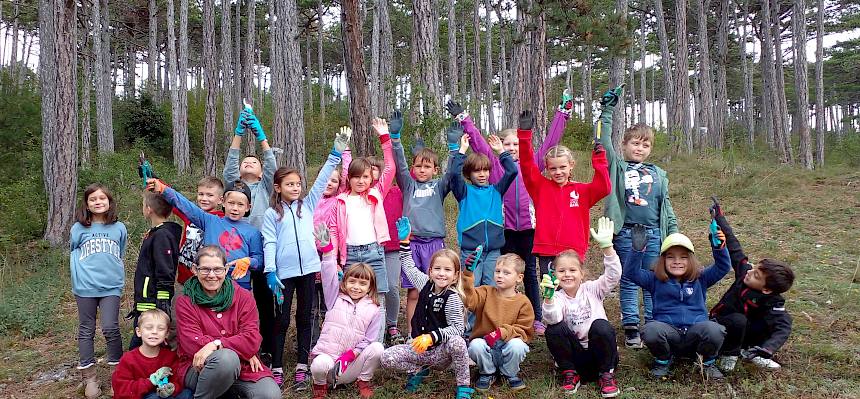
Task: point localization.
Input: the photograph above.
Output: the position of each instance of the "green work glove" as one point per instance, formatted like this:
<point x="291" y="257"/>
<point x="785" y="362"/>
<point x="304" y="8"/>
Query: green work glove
<point x="549" y="283"/>
<point x="605" y="230"/>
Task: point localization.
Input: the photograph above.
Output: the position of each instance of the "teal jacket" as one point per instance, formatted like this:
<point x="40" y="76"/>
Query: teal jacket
<point x="614" y="207"/>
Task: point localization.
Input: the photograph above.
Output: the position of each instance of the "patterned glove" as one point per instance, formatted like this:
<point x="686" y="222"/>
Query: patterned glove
<point x="566" y="105"/>
<point x="610" y="97"/>
<point x="474" y="258"/>
<point x="494" y="337"/>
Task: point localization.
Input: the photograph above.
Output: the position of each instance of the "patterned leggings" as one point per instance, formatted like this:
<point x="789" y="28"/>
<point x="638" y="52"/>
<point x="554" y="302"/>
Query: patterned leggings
<point x="449" y="354"/>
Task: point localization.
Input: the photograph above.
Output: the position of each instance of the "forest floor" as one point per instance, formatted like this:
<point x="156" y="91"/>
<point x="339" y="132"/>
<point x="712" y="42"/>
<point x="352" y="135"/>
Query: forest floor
<point x="809" y="219"/>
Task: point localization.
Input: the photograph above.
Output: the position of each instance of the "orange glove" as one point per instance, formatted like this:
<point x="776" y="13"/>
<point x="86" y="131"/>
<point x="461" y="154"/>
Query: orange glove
<point x="156" y="185"/>
<point x="421" y="343"/>
<point x="240" y="267"/>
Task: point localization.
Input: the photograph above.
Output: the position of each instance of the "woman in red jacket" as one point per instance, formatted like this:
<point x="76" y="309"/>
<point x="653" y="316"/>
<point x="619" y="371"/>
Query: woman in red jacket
<point x="217" y="327"/>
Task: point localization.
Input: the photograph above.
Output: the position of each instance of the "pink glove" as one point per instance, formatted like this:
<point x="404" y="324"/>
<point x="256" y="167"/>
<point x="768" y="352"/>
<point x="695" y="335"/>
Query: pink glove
<point x="343" y="362"/>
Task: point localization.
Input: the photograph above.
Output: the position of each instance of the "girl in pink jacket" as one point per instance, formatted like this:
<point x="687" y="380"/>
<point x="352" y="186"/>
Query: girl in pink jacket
<point x="347" y="350"/>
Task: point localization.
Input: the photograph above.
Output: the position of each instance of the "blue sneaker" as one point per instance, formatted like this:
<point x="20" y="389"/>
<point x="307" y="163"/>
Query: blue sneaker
<point x="516" y="383"/>
<point x="413" y="381"/>
<point x="485" y="381"/>
<point x="464" y="392"/>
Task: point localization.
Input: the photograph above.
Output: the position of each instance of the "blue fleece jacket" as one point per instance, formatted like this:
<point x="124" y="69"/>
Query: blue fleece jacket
<point x="679" y="303"/>
<point x="96" y="259"/>
<point x="238" y="239"/>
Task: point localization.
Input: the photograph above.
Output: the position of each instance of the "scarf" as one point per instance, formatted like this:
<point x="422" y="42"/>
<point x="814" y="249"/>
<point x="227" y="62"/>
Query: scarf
<point x="219" y="303"/>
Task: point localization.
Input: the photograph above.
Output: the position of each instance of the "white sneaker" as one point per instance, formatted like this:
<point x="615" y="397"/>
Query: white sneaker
<point x="727" y="363"/>
<point x="767" y="364"/>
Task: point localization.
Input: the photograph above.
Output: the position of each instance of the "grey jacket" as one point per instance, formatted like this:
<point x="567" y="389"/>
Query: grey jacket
<point x="261" y="191"/>
<point x="423" y="203"/>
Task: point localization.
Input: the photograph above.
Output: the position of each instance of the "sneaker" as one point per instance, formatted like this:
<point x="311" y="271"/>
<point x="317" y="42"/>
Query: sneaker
<point x="710" y="370"/>
<point x="660" y="369"/>
<point x="631" y="337"/>
<point x="767" y="364"/>
<point x="301" y="380"/>
<point x="570" y="381"/>
<point x="394" y="337"/>
<point x="485" y="381"/>
<point x="413" y="381"/>
<point x="540" y="329"/>
<point x="608" y="386"/>
<point x="365" y="388"/>
<point x="516" y="383"/>
<point x="278" y="376"/>
<point x="464" y="392"/>
<point x="728" y="363"/>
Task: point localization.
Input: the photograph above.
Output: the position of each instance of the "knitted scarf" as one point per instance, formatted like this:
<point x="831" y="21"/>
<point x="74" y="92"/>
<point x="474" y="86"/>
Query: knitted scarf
<point x="219" y="303"/>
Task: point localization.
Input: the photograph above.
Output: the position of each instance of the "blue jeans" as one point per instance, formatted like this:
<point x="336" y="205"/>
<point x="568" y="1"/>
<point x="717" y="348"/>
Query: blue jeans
<point x="185" y="394"/>
<point x="629" y="290"/>
<point x="506" y="363"/>
<point x="485" y="270"/>
<point x="373" y="255"/>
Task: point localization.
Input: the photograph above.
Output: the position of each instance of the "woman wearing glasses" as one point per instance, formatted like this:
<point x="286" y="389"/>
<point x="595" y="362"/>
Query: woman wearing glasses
<point x="217" y="326"/>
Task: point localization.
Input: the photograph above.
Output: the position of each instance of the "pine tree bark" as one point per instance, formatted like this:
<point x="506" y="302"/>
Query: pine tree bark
<point x="820" y="111"/>
<point x="749" y="103"/>
<point x="426" y="28"/>
<point x="666" y="66"/>
<point x="321" y="73"/>
<point x="353" y="45"/>
<point x="210" y="79"/>
<point x="152" y="64"/>
<point x="681" y="93"/>
<point x="538" y="74"/>
<point x="585" y="73"/>
<point x="801" y="83"/>
<point x="102" y="71"/>
<point x="783" y="138"/>
<point x="130" y="72"/>
<point x="616" y="77"/>
<point x="453" y="80"/>
<point x="276" y="64"/>
<point x="374" y="63"/>
<point x="183" y="158"/>
<point x="86" y="102"/>
<point x="769" y="107"/>
<point x="238" y="76"/>
<point x="13" y="60"/>
<point x="227" y="78"/>
<point x="721" y="107"/>
<point x="488" y="72"/>
<point x="180" y="142"/>
<point x="643" y="100"/>
<point x="504" y="82"/>
<point x="250" y="52"/>
<point x="477" y="96"/>
<point x="294" y="153"/>
<point x="58" y="80"/>
<point x="386" y="53"/>
<point x="307" y="73"/>
<point x="706" y="77"/>
<point x="520" y="85"/>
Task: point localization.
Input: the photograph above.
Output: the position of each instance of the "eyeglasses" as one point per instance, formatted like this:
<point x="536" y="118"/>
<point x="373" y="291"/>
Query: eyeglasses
<point x="218" y="271"/>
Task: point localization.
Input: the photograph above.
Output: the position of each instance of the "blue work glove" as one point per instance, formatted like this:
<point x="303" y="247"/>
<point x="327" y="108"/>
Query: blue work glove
<point x="404" y="229"/>
<point x="395" y="124"/>
<point x="241" y="123"/>
<point x="275" y="286"/>
<point x="455" y="131"/>
<point x="253" y="123"/>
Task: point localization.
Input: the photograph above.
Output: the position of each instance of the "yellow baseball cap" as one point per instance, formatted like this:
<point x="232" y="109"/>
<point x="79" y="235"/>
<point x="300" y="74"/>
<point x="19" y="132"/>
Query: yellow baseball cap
<point x="676" y="239"/>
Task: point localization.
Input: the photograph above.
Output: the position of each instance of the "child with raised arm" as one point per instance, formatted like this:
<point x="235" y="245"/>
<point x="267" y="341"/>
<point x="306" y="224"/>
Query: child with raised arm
<point x="679" y="286"/>
<point x="640" y="196"/>
<point x="210" y="193"/>
<point x="480" y="221"/>
<point x="518" y="207"/>
<point x="561" y="205"/>
<point x="504" y="322"/>
<point x="97" y="243"/>
<point x="438" y="323"/>
<point x="291" y="260"/>
<point x="347" y="350"/>
<point x="241" y="242"/>
<point x="578" y="335"/>
<point x="753" y="309"/>
<point x="423" y="203"/>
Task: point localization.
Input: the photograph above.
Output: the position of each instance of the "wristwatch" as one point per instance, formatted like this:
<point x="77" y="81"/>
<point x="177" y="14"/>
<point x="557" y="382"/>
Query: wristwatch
<point x="217" y="343"/>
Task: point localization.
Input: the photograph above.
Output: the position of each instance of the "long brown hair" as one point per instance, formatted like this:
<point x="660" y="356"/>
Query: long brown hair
<point x="83" y="214"/>
<point x="452" y="256"/>
<point x="275" y="201"/>
<point x="694" y="268"/>
<point x="362" y="271"/>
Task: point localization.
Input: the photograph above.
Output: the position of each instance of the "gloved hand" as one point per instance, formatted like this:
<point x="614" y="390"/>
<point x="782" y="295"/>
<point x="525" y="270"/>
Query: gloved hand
<point x="757" y="351"/>
<point x="421" y="343"/>
<point x="566" y="105"/>
<point x="716" y="236"/>
<point x="343" y="361"/>
<point x="494" y="337"/>
<point x="717" y="214"/>
<point x="610" y="97"/>
<point x="240" y="267"/>
<point x="241" y="123"/>
<point x="598" y="148"/>
<point x="323" y="238"/>
<point x="341" y="140"/>
<point x="404" y="229"/>
<point x="549" y="283"/>
<point x="456" y="111"/>
<point x="156" y="185"/>
<point x="144" y="169"/>
<point x="474" y="258"/>
<point x="639" y="237"/>
<point x="276" y="286"/>
<point x="455" y="131"/>
<point x="395" y="124"/>
<point x="253" y="123"/>
<point x="159" y="377"/>
<point x="527" y="121"/>
<point x="166" y="390"/>
<point x="605" y="230"/>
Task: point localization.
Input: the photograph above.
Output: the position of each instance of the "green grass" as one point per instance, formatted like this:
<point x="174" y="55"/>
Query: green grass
<point x="807" y="218"/>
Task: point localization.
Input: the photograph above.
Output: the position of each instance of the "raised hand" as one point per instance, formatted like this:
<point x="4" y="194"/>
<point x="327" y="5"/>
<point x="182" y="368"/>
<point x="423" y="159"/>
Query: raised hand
<point x="241" y="123"/>
<point x="395" y="124"/>
<point x="404" y="229"/>
<point x="610" y="97"/>
<point x="464" y="143"/>
<point x="456" y="111"/>
<point x="155" y="185"/>
<point x="474" y="258"/>
<point x="253" y="123"/>
<point x="380" y="126"/>
<point x="527" y="121"/>
<point x="341" y="139"/>
<point x="566" y="105"/>
<point x="605" y="230"/>
<point x="495" y="143"/>
<point x="453" y="135"/>
<point x="323" y="238"/>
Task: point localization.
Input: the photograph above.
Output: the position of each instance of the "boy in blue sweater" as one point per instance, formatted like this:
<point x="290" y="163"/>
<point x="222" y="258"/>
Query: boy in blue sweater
<point x="241" y="242"/>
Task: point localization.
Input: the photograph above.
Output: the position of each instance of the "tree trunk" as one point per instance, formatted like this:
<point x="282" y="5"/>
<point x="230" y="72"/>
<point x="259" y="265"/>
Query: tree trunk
<point x="721" y="108"/>
<point x="86" y="100"/>
<point x="666" y="66"/>
<point x="681" y="93"/>
<point x="386" y="52"/>
<point x="321" y="74"/>
<point x="210" y="153"/>
<point x="801" y="83"/>
<point x="102" y="71"/>
<point x="227" y="79"/>
<point x="586" y="84"/>
<point x="749" y="103"/>
<point x="374" y="64"/>
<point x="13" y="60"/>
<point x="426" y="28"/>
<point x="453" y="80"/>
<point x="488" y="73"/>
<point x="180" y="142"/>
<point x="616" y="77"/>
<point x="353" y="45"/>
<point x="820" y="111"/>
<point x="769" y="106"/>
<point x="476" y="100"/>
<point x="276" y="63"/>
<point x="294" y="143"/>
<point x="631" y="72"/>
<point x="520" y="88"/>
<point x="58" y="79"/>
<point x="152" y="64"/>
<point x="538" y="74"/>
<point x="183" y="161"/>
<point x="307" y="74"/>
<point x="706" y="78"/>
<point x="783" y="135"/>
<point x="643" y="100"/>
<point x="238" y="76"/>
<point x="250" y="53"/>
<point x="504" y="82"/>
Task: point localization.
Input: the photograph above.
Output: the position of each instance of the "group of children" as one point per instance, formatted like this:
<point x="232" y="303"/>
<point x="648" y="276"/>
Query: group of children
<point x="344" y="250"/>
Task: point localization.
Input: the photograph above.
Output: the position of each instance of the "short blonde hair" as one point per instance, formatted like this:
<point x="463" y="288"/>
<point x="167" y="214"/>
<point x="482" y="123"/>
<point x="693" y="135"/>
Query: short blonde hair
<point x="156" y="315"/>
<point x="639" y="131"/>
<point x="507" y="132"/>
<point x="514" y="261"/>
<point x="558" y="151"/>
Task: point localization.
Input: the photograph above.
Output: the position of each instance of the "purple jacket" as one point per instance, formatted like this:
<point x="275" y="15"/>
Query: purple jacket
<point x="519" y="212"/>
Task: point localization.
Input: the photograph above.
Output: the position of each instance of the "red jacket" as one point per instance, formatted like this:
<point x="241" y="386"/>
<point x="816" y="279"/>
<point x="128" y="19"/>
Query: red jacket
<point x="238" y="328"/>
<point x="562" y="212"/>
<point x="130" y="380"/>
<point x="393" y="204"/>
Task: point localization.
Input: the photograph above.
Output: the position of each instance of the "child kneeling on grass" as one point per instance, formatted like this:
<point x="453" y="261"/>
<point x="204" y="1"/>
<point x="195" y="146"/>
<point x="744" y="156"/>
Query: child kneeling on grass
<point x="147" y="370"/>
<point x="437" y="328"/>
<point x="347" y="349"/>
<point x="679" y="285"/>
<point x="504" y="321"/>
<point x="752" y="310"/>
<point x="579" y="338"/>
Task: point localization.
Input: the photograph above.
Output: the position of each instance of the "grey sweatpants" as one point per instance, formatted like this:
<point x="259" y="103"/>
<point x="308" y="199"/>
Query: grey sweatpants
<point x="220" y="374"/>
<point x="109" y="317"/>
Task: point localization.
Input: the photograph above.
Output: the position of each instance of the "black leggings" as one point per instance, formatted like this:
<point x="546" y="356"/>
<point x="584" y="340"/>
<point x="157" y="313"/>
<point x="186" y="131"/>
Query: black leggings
<point x="265" y="308"/>
<point x="600" y="357"/>
<point x="304" y="288"/>
<point x="741" y="333"/>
